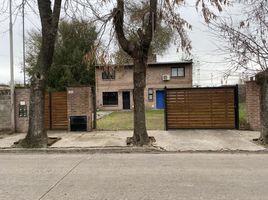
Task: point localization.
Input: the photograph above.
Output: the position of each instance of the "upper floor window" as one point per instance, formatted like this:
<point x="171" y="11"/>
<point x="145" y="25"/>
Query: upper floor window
<point x="108" y="75"/>
<point x="177" y="71"/>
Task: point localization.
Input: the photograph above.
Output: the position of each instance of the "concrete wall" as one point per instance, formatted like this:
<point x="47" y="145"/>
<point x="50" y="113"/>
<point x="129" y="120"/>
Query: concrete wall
<point x="124" y="82"/>
<point x="5" y="108"/>
<point x="22" y="98"/>
<point x="253" y="105"/>
<point x="79" y="103"/>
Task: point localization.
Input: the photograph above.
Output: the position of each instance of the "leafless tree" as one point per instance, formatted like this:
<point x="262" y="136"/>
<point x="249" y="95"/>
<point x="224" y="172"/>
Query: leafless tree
<point x="248" y="49"/>
<point x="49" y="16"/>
<point x="165" y="11"/>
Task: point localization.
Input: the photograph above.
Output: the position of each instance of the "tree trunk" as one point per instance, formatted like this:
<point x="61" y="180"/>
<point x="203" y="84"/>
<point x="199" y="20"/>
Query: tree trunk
<point x="264" y="113"/>
<point x="262" y="80"/>
<point x="140" y="136"/>
<point x="138" y="50"/>
<point x="36" y="136"/>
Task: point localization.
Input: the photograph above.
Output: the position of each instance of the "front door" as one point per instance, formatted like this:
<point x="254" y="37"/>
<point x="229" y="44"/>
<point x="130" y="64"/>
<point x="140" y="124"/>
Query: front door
<point x="126" y="100"/>
<point x="160" y="99"/>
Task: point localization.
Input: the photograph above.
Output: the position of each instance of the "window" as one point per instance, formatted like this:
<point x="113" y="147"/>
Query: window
<point x="150" y="94"/>
<point x="108" y="75"/>
<point x="177" y="71"/>
<point x="110" y="98"/>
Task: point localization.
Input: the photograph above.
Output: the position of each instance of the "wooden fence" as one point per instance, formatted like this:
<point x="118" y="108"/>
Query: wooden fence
<point x="56" y="116"/>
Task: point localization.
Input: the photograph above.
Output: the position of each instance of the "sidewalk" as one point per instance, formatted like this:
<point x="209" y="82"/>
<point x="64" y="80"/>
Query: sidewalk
<point x="171" y="141"/>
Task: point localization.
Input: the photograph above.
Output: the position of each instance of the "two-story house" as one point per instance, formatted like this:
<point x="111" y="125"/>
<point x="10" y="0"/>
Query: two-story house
<point x="114" y="84"/>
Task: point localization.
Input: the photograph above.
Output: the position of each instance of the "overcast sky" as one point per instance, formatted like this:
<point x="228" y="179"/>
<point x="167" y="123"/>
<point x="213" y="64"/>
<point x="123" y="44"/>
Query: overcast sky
<point x="207" y="58"/>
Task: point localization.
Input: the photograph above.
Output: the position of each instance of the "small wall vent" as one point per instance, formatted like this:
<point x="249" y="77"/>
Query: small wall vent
<point x="78" y="123"/>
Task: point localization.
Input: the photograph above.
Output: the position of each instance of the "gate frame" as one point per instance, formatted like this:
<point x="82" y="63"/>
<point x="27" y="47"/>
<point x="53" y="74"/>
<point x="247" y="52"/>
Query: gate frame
<point x="236" y="103"/>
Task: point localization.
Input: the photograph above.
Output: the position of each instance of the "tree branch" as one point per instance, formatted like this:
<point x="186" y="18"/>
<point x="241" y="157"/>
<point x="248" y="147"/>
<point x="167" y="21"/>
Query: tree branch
<point x="146" y="41"/>
<point x="56" y="15"/>
<point x="118" y="21"/>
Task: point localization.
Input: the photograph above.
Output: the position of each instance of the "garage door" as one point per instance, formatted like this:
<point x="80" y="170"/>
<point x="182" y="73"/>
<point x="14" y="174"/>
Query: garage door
<point x="208" y="108"/>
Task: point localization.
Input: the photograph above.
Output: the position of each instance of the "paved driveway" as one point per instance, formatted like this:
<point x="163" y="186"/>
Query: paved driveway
<point x="206" y="140"/>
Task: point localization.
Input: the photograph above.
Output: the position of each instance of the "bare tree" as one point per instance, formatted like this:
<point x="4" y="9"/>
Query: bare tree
<point x="37" y="135"/>
<point x="167" y="12"/>
<point x="248" y="49"/>
<point x="162" y="38"/>
<point x="138" y="48"/>
<point x="139" y="52"/>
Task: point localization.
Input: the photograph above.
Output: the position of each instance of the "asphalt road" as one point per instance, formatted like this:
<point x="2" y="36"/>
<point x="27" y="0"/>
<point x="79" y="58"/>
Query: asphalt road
<point x="134" y="176"/>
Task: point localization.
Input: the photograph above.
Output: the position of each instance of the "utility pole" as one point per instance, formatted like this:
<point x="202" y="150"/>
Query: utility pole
<point x="11" y="67"/>
<point x="198" y="76"/>
<point x="23" y="39"/>
<point x="211" y="76"/>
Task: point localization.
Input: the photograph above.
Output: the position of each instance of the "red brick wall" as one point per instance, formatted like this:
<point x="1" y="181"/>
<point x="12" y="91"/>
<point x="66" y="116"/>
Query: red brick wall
<point x="79" y="103"/>
<point x="253" y="105"/>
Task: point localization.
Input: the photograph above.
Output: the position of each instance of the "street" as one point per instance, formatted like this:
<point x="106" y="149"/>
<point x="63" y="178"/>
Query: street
<point x="134" y="176"/>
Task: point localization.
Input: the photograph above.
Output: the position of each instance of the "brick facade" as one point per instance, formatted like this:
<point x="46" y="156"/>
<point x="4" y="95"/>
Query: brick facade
<point x="5" y="108"/>
<point x="79" y="103"/>
<point x="22" y="98"/>
<point x="124" y="82"/>
<point x="253" y="105"/>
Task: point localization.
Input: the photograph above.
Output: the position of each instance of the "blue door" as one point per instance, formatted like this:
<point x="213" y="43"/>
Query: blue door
<point x="160" y="99"/>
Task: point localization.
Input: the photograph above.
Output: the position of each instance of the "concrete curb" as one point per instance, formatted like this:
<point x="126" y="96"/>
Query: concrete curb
<point x="107" y="150"/>
<point x="90" y="150"/>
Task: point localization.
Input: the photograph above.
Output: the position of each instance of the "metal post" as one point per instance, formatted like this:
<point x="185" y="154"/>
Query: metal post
<point x="93" y="90"/>
<point x="166" y="122"/>
<point x="236" y="99"/>
<point x="23" y="38"/>
<point x="11" y="67"/>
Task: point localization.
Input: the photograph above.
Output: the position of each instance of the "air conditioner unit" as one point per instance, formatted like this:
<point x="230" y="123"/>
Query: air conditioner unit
<point x="165" y="77"/>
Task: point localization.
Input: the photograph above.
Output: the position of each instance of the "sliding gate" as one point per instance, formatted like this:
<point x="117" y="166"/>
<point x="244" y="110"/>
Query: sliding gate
<point x="208" y="108"/>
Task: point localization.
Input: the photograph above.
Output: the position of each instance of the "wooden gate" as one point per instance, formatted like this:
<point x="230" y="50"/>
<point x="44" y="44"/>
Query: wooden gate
<point x="208" y="108"/>
<point x="56" y="111"/>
